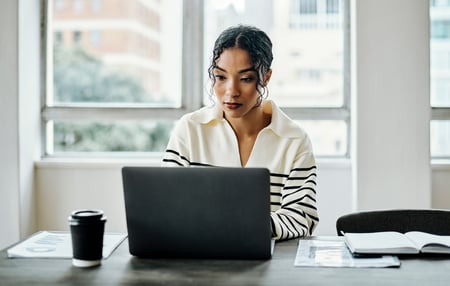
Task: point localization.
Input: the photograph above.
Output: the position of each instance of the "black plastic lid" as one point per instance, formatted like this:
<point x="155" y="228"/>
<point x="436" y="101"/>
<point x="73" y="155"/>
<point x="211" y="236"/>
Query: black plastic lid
<point x="86" y="215"/>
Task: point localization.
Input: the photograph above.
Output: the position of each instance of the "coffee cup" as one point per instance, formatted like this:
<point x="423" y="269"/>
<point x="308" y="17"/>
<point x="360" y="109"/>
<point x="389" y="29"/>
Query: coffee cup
<point x="87" y="229"/>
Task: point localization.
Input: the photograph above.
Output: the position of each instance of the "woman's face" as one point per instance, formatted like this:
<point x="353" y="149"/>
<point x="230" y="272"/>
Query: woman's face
<point x="235" y="83"/>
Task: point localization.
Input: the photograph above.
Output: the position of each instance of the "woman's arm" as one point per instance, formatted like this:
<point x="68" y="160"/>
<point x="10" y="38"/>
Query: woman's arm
<point x="298" y="213"/>
<point x="176" y="153"/>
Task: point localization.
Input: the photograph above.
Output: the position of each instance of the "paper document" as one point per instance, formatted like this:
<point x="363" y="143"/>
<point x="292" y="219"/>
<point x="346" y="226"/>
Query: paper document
<point x="333" y="252"/>
<point x="58" y="244"/>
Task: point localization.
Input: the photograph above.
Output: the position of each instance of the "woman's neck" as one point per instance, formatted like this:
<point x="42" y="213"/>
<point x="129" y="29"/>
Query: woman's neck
<point x="254" y="122"/>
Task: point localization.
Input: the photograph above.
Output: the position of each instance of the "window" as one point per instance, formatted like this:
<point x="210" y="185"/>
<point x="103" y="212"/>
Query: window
<point x="309" y="66"/>
<point x="58" y="38"/>
<point x="96" y="5"/>
<point x="317" y="14"/>
<point x="308" y="7"/>
<point x="332" y="6"/>
<point x="120" y="90"/>
<point x="438" y="3"/>
<point x="440" y="79"/>
<point x="59" y="4"/>
<point x="95" y="38"/>
<point x="77" y="5"/>
<point x="77" y="37"/>
<point x="440" y="29"/>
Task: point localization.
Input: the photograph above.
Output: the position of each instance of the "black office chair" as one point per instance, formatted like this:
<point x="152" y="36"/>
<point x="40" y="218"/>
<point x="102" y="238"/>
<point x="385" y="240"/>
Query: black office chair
<point x="402" y="220"/>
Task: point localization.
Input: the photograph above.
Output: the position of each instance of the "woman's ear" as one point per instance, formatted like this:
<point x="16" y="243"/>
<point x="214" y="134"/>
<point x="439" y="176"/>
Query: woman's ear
<point x="267" y="77"/>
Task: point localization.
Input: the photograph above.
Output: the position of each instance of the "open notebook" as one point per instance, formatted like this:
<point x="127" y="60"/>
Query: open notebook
<point x="392" y="242"/>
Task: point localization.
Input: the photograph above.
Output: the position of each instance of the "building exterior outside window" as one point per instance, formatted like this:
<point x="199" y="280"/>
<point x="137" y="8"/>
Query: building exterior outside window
<point x="122" y="72"/>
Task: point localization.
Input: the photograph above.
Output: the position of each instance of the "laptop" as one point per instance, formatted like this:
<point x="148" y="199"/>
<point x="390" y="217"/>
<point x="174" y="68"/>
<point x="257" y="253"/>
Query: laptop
<point x="205" y="212"/>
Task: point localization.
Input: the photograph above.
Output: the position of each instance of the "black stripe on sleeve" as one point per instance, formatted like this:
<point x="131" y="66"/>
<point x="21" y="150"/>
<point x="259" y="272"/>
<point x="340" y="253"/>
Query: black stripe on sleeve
<point x="299" y="190"/>
<point x="281" y="228"/>
<point x="279" y="175"/>
<point x="313" y="218"/>
<point x="299" y="201"/>
<point x="293" y="229"/>
<point x="173" y="161"/>
<point x="302" y="178"/>
<point x="200" y="164"/>
<point x="303" y="169"/>
<point x="300" y="213"/>
<point x="178" y="155"/>
<point x="272" y="224"/>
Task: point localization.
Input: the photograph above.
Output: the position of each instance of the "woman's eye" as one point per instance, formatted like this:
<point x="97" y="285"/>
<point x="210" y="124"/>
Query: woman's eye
<point x="219" y="77"/>
<point x="247" y="79"/>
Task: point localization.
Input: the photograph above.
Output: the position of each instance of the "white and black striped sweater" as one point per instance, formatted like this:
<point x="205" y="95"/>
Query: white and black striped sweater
<point x="204" y="138"/>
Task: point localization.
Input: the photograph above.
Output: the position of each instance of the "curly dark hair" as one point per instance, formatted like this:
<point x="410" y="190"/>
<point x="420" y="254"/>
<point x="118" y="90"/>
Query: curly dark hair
<point x="255" y="42"/>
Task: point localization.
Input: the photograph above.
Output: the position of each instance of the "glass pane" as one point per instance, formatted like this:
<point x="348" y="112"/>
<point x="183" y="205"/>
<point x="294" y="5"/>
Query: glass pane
<point x="440" y="138"/>
<point x="116" y="52"/>
<point x="440" y="53"/>
<point x="118" y="136"/>
<point x="328" y="137"/>
<point x="307" y="39"/>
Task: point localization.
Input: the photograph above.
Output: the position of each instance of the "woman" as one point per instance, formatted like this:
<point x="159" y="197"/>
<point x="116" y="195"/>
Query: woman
<point x="244" y="129"/>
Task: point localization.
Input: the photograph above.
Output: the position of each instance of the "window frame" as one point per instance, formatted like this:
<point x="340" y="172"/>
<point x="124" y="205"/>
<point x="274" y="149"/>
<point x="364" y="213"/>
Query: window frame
<point x="437" y="112"/>
<point x="192" y="84"/>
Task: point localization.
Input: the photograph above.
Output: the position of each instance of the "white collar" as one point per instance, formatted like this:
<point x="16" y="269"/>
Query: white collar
<point x="280" y="124"/>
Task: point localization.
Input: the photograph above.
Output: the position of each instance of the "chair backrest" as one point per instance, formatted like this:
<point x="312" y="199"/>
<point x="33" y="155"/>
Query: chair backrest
<point x="402" y="220"/>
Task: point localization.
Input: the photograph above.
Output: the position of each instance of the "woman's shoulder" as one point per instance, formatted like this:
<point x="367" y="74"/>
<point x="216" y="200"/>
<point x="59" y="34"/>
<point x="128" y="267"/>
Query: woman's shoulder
<point x="284" y="126"/>
<point x="201" y="116"/>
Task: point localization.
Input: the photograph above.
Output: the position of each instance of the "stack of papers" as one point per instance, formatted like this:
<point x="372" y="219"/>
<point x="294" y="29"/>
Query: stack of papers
<point x="333" y="252"/>
<point x="58" y="244"/>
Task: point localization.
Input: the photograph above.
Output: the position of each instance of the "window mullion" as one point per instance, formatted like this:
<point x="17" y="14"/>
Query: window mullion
<point x="108" y="113"/>
<point x="192" y="78"/>
<point x="440" y="113"/>
<point x="347" y="71"/>
<point x="45" y="68"/>
<point x="318" y="113"/>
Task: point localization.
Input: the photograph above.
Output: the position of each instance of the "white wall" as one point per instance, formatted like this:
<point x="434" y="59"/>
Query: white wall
<point x="334" y="194"/>
<point x="441" y="185"/>
<point x="29" y="96"/>
<point x="391" y="112"/>
<point x="64" y="187"/>
<point x="9" y="125"/>
<point x="19" y="116"/>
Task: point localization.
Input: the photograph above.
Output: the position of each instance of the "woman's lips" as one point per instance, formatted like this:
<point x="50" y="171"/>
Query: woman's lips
<point x="232" y="105"/>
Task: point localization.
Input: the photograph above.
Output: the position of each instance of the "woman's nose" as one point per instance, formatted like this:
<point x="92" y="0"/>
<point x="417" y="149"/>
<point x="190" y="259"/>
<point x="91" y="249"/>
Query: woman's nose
<point x="233" y="88"/>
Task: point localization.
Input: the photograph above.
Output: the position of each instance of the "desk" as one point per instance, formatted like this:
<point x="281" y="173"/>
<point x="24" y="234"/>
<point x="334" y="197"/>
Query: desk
<point x="123" y="269"/>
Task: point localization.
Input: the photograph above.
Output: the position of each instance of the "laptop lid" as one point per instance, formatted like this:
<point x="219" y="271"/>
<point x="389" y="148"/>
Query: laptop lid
<point x="214" y="212"/>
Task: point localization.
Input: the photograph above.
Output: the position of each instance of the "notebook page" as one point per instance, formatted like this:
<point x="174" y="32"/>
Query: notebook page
<point x="379" y="242"/>
<point x="422" y="238"/>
